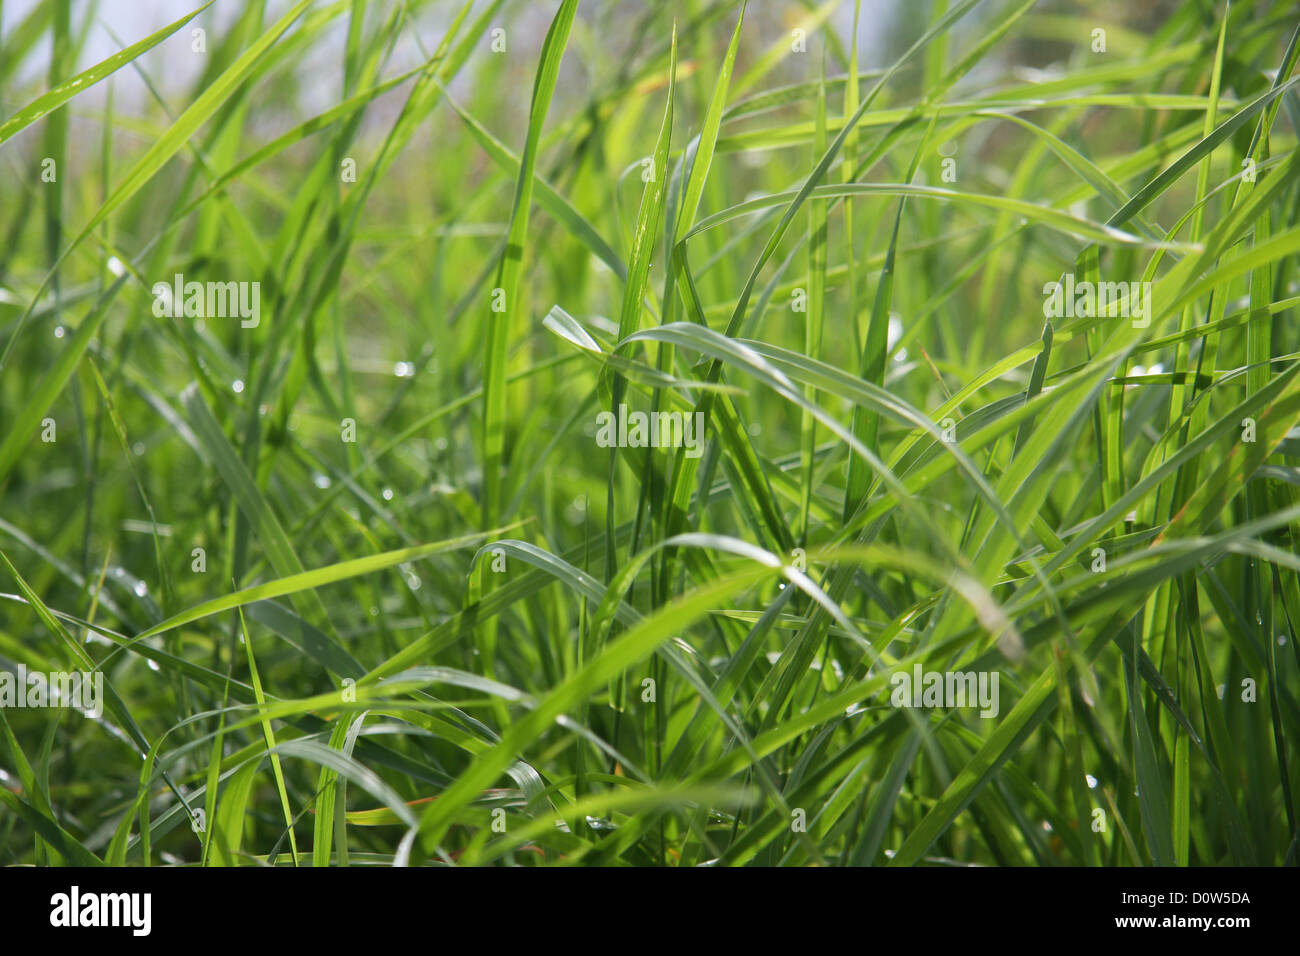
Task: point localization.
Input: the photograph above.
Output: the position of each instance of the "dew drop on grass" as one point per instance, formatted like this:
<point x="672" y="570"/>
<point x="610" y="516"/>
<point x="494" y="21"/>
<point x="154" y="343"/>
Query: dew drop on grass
<point x="138" y="449"/>
<point x="152" y="664"/>
<point x="388" y="494"/>
<point x="577" y="510"/>
<point x="58" y="331"/>
<point x="320" y="481"/>
<point x="404" y="370"/>
<point x="237" y="385"/>
<point x="1092" y="781"/>
<point x="140" y="589"/>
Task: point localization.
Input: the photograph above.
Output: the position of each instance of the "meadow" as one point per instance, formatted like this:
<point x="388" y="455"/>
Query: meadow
<point x="649" y="434"/>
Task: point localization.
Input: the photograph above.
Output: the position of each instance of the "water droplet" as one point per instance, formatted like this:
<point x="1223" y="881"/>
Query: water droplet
<point x="320" y="481"/>
<point x="1092" y="781"/>
<point x="388" y="494"/>
<point x="153" y="665"/>
<point x="140" y="589"/>
<point x="237" y="385"/>
<point x="58" y="331"/>
<point x="894" y="332"/>
<point x="138" y="448"/>
<point x="404" y="370"/>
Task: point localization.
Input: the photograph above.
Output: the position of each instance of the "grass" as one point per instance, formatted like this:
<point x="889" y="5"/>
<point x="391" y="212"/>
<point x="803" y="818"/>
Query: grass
<point x="364" y="588"/>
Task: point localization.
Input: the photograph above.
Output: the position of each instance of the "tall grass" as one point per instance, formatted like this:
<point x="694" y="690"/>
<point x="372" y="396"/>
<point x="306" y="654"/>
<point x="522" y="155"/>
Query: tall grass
<point x="365" y="588"/>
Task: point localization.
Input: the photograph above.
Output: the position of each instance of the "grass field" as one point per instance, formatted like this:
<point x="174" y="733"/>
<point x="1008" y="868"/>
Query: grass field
<point x="611" y="433"/>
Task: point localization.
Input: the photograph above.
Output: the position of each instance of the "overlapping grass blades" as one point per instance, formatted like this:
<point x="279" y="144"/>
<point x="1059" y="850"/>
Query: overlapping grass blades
<point x="363" y="577"/>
